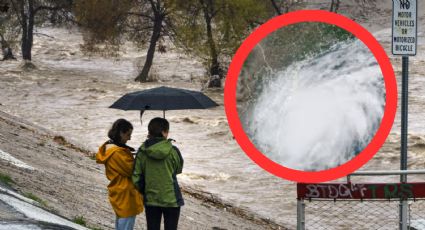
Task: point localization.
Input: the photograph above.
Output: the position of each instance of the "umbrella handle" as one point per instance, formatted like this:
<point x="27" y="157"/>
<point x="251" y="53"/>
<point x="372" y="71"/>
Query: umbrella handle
<point x="141" y="114"/>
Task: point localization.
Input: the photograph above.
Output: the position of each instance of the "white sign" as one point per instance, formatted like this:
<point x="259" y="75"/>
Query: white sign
<point x="404" y="27"/>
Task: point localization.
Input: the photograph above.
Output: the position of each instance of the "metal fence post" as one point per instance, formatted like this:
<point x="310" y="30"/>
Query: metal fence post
<point x="403" y="214"/>
<point x="403" y="137"/>
<point x="300" y="214"/>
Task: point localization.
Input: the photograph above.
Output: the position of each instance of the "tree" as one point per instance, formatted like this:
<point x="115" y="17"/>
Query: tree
<point x="4" y="7"/>
<point x="6" y="49"/>
<point x="102" y="29"/>
<point x="214" y="29"/>
<point x="25" y="12"/>
<point x="141" y="21"/>
<point x="283" y="6"/>
<point x="159" y="13"/>
<point x="8" y="31"/>
<point x="334" y="6"/>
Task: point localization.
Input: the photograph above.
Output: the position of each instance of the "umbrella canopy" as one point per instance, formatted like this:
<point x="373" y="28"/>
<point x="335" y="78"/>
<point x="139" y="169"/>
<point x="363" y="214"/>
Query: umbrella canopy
<point x="164" y="98"/>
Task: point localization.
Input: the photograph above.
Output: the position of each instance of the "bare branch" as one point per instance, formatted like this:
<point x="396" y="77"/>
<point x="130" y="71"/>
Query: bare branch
<point x="155" y="10"/>
<point x="276" y="7"/>
<point x="141" y="15"/>
<point x="264" y="57"/>
<point x="137" y="29"/>
<point x="41" y="34"/>
<point x="16" y="10"/>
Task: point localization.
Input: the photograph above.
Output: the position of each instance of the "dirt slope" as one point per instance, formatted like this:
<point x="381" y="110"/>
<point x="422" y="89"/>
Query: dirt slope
<point x="72" y="184"/>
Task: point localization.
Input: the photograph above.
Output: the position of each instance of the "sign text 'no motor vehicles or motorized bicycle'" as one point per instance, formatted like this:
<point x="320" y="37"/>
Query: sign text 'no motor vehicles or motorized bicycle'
<point x="404" y="29"/>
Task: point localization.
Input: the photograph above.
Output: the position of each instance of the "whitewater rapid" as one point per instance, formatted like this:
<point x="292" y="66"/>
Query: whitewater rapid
<point x="319" y="113"/>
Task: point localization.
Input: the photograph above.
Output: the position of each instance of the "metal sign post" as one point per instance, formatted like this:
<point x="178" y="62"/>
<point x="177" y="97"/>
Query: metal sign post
<point x="404" y="40"/>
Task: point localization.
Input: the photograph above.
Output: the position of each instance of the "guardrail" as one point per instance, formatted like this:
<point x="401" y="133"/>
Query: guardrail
<point x="385" y="173"/>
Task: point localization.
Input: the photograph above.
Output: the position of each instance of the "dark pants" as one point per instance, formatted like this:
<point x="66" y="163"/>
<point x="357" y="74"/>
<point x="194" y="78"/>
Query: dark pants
<point x="154" y="215"/>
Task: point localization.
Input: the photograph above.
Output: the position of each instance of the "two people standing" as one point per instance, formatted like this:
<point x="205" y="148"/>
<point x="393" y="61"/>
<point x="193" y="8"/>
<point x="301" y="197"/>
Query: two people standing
<point x="146" y="183"/>
<point x="157" y="164"/>
<point x="118" y="160"/>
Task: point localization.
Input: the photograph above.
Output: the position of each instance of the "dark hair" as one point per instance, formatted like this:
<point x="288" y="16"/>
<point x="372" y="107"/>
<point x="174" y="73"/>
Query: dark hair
<point x="157" y="126"/>
<point x="119" y="126"/>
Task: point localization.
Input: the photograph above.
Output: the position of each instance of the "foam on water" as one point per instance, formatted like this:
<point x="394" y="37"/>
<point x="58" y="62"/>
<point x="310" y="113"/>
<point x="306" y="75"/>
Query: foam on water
<point x="319" y="113"/>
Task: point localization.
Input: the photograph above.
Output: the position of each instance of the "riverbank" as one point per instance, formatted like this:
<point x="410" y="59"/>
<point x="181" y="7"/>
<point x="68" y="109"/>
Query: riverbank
<point x="65" y="180"/>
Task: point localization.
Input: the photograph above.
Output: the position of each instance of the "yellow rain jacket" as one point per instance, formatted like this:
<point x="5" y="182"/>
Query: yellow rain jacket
<point x="125" y="199"/>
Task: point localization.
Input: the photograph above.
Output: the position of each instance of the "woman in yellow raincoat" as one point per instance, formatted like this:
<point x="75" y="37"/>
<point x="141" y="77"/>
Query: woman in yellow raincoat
<point x="118" y="160"/>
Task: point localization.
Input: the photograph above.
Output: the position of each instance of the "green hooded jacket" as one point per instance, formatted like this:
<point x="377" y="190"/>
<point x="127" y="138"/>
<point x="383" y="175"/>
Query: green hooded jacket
<point x="154" y="173"/>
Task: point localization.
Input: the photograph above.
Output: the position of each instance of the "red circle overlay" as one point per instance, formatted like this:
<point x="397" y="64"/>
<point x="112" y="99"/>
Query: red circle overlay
<point x="293" y="18"/>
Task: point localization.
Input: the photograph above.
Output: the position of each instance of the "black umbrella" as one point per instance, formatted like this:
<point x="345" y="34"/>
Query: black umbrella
<point x="163" y="98"/>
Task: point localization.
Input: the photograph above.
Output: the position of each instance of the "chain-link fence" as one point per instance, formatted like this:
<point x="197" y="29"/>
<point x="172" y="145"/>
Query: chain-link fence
<point x="361" y="214"/>
<point x="416" y="215"/>
<point x="340" y="205"/>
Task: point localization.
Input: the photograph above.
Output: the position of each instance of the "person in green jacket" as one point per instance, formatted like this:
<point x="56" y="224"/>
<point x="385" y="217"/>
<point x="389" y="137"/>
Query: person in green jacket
<point x="154" y="175"/>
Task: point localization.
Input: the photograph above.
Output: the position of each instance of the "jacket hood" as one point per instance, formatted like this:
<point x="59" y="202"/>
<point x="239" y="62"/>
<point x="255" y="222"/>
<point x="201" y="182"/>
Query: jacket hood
<point x="158" y="148"/>
<point x="105" y="152"/>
